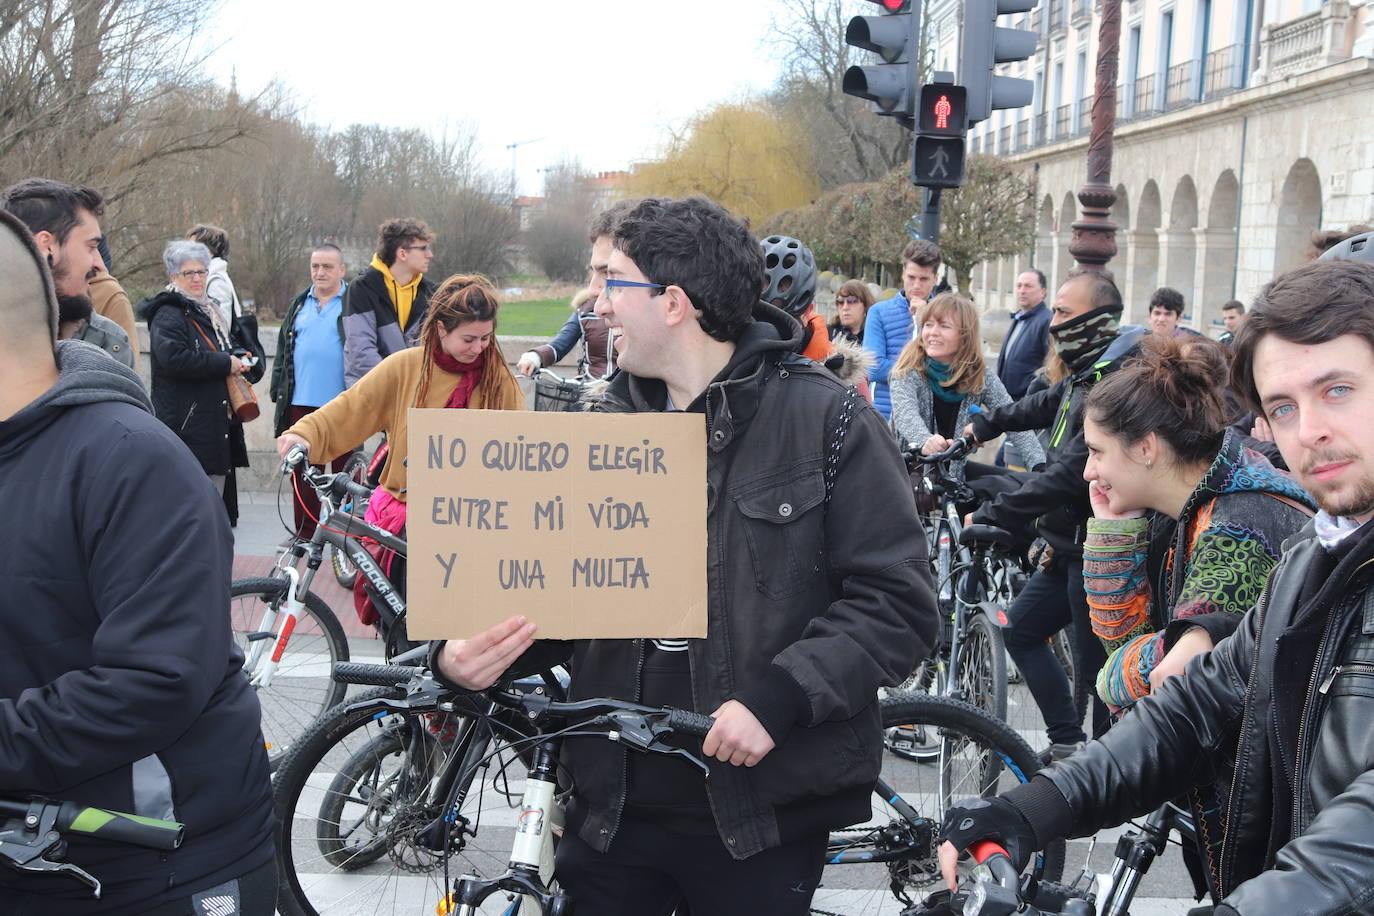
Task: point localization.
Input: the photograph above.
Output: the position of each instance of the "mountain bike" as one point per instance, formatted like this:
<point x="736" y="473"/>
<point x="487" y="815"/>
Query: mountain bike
<point x="404" y="796"/>
<point x="290" y="637"/>
<point x="973" y="577"/>
<point x="34" y="832"/>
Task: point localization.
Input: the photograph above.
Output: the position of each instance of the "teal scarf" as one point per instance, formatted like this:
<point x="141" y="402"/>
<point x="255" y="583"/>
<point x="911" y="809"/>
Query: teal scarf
<point x="937" y="375"/>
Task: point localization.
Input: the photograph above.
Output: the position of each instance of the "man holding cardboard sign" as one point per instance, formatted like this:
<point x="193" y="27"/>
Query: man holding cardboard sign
<point x="818" y="594"/>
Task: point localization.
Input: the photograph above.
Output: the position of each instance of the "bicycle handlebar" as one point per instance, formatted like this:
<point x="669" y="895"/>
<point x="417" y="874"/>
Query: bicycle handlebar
<point x="680" y="721"/>
<point x="960" y="448"/>
<point x="115" y="826"/>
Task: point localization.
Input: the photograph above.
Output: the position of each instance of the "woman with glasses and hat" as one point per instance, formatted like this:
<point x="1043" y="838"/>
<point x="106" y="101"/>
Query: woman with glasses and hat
<point x="191" y="361"/>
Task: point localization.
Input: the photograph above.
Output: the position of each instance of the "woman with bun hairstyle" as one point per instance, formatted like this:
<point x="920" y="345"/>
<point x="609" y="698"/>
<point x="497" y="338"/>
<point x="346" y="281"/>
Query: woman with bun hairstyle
<point x="456" y="364"/>
<point x="1187" y="522"/>
<point x="938" y="377"/>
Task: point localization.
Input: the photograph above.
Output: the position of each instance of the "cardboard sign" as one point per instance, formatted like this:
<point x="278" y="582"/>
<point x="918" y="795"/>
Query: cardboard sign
<point x="591" y="525"/>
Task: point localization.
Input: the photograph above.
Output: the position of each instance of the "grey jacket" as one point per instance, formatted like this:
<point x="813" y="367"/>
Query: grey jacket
<point x="110" y="337"/>
<point x="913" y="415"/>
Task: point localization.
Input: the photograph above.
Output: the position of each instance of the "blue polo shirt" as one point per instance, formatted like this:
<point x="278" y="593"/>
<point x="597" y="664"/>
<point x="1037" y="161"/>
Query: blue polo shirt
<point x="317" y="355"/>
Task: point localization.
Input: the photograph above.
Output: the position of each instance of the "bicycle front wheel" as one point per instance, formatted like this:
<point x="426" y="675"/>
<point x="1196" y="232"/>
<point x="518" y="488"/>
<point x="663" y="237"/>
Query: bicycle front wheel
<point x="889" y="862"/>
<point x="302" y="685"/>
<point x="983" y="666"/>
<point x="358" y="799"/>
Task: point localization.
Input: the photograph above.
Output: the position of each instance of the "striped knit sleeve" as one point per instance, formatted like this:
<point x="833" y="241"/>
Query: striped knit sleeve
<point x="1118" y="593"/>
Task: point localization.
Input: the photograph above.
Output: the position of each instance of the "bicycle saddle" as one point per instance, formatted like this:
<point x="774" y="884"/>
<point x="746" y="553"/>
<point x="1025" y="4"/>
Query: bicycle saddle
<point x="987" y="534"/>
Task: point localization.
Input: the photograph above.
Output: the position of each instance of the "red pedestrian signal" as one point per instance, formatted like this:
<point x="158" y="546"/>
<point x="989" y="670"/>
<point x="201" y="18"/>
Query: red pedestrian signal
<point x="943" y="111"/>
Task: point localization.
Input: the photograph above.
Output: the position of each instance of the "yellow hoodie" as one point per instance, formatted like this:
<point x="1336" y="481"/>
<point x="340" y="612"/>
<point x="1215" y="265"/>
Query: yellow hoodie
<point x="403" y="297"/>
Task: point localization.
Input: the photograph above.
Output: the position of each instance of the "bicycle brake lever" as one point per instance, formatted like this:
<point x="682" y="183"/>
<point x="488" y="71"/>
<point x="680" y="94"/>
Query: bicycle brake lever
<point x="643" y="733"/>
<point x="42" y="866"/>
<point x="30" y="855"/>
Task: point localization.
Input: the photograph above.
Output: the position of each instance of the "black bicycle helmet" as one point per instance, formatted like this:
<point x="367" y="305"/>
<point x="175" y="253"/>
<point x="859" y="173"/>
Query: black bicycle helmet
<point x="789" y="270"/>
<point x="1356" y="248"/>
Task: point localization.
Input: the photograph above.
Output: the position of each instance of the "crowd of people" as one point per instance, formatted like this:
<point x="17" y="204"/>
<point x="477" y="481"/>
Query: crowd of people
<point x="1204" y="502"/>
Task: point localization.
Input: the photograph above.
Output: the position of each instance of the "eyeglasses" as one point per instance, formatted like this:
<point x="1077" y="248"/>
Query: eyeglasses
<point x="613" y="284"/>
<point x="194" y="274"/>
<point x="428" y="248"/>
<point x="847" y="300"/>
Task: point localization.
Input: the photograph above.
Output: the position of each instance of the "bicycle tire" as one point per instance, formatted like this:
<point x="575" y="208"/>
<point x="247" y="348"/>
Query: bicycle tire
<point x="345" y="573"/>
<point x="352" y="794"/>
<point x="302" y="687"/>
<point x="983" y="665"/>
<point x="869" y="888"/>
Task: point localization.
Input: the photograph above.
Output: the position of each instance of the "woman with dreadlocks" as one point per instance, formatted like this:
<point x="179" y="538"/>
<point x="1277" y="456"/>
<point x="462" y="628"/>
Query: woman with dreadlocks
<point x="450" y="367"/>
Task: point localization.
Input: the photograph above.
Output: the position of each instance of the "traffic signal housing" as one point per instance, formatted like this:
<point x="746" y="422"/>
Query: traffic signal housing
<point x="895" y="36"/>
<point x="984" y="46"/>
<point x="943" y="110"/>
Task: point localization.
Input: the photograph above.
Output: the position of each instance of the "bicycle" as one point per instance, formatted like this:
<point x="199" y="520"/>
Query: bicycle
<point x="384" y="791"/>
<point x="554" y="392"/>
<point x="981" y="569"/>
<point x="34" y="832"/>
<point x="290" y="637"/>
<point x="970" y="574"/>
<point x="999" y="889"/>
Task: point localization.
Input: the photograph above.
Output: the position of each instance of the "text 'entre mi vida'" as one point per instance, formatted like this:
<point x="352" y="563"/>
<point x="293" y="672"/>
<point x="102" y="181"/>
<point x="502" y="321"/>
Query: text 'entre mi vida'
<point x="547" y="513"/>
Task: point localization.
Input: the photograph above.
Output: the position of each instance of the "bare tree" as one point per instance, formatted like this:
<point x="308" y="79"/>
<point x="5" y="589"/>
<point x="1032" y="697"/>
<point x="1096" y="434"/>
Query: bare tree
<point x="557" y="239"/>
<point x="991" y="216"/>
<point x="848" y="142"/>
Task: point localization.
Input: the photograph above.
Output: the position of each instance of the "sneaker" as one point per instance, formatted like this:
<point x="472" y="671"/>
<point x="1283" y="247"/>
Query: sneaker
<point x="1059" y="751"/>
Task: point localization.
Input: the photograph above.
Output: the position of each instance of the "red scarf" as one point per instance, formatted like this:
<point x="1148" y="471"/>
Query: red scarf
<point x="469" y="374"/>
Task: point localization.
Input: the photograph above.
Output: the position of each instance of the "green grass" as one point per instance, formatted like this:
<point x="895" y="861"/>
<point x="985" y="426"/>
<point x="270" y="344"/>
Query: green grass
<point x="524" y="280"/>
<point x="540" y="318"/>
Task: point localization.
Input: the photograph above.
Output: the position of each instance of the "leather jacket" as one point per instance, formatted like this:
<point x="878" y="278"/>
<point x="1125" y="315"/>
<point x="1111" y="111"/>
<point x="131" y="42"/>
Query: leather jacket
<point x="813" y="603"/>
<point x="1289" y="697"/>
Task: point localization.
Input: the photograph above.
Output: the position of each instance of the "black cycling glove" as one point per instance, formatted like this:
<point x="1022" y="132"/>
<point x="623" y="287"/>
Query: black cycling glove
<point x="993" y="819"/>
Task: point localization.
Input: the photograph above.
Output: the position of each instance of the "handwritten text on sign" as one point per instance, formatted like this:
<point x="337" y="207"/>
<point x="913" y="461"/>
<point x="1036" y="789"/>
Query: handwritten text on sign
<point x="591" y="525"/>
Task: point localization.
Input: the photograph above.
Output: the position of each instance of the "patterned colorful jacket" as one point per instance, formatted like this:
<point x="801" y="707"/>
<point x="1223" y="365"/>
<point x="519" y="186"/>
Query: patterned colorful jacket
<point x="1207" y="568"/>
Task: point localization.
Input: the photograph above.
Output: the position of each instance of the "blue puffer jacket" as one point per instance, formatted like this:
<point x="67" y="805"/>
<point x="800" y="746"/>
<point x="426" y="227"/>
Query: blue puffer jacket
<point x="887" y="329"/>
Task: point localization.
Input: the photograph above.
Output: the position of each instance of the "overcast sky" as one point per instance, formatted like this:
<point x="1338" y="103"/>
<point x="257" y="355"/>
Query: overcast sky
<point x="598" y="80"/>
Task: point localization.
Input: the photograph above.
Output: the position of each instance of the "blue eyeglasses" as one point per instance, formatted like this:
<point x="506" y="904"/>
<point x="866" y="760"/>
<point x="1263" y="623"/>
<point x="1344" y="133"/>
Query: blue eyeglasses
<point x="613" y="284"/>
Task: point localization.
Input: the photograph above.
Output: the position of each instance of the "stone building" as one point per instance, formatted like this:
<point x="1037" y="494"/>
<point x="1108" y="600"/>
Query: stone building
<point x="1242" y="127"/>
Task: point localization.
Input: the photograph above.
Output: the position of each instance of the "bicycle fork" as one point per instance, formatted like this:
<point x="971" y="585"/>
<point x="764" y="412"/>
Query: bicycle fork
<point x="1134" y="853"/>
<point x="260" y="673"/>
<point x="531" y="859"/>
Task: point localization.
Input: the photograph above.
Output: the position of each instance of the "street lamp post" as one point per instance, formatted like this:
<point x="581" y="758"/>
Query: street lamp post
<point x="1094" y="235"/>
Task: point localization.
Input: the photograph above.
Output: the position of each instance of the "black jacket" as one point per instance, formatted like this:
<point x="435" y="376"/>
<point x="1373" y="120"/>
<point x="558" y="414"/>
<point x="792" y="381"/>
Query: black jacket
<point x="372" y="328"/>
<point x="190" y="377"/>
<point x="1055" y="500"/>
<point x="283" y="385"/>
<point x="813" y="603"/>
<point x="120" y="684"/>
<point x="1289" y="697"/>
<point x="1018" y="359"/>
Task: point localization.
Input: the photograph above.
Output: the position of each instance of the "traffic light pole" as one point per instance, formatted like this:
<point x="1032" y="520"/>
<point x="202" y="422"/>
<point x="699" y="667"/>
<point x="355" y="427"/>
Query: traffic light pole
<point x="930" y="216"/>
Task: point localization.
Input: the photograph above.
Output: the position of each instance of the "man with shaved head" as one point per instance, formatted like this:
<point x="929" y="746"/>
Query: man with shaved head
<point x="120" y="683"/>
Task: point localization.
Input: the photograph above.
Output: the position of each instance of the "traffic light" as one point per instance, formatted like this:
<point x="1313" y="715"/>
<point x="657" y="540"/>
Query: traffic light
<point x="943" y="111"/>
<point x="985" y="46"/>
<point x="895" y="36"/>
<point x="937" y="162"/>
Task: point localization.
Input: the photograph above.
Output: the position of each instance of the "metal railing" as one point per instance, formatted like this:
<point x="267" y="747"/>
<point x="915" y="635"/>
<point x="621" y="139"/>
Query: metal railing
<point x="1023" y="140"/>
<point x="1004" y="140"/>
<point x="1062" y="116"/>
<point x="1085" y="114"/>
<point x="1224" y="72"/>
<point x="1144" y="96"/>
<point x="1179" y="85"/>
<point x="1054" y="16"/>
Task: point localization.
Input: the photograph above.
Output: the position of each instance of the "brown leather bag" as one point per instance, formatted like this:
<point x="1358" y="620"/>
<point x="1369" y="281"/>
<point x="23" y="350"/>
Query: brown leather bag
<point x="243" y="401"/>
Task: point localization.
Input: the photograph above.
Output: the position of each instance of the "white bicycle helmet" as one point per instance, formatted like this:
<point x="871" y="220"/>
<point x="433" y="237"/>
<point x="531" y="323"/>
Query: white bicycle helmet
<point x="1356" y="248"/>
<point x="790" y="271"/>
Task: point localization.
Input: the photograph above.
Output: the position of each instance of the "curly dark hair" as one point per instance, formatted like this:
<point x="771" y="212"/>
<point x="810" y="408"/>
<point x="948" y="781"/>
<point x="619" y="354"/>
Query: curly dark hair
<point x="394" y="233"/>
<point x="1167" y="297"/>
<point x="696" y="245"/>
